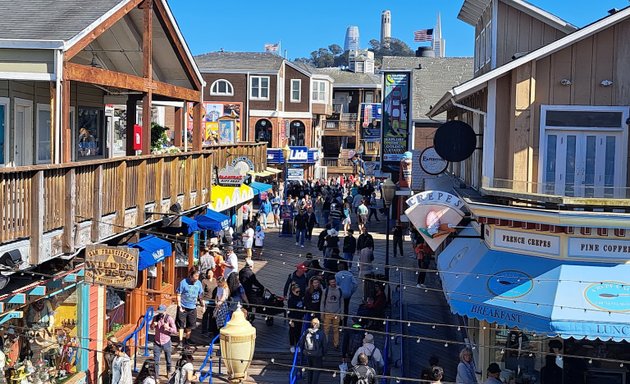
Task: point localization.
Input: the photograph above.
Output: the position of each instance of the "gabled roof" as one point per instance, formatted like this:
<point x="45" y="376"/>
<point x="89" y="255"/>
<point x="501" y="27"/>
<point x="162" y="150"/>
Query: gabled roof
<point x="432" y="76"/>
<point x="50" y="19"/>
<point x="239" y="62"/>
<point x="348" y="79"/>
<point x="472" y="10"/>
<point x="480" y="82"/>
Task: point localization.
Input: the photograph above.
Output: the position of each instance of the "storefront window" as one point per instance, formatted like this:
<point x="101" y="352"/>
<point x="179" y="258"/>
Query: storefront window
<point x="297" y="133"/>
<point x="115" y="310"/>
<point x="263" y="131"/>
<point x="519" y="354"/>
<point x="90" y="133"/>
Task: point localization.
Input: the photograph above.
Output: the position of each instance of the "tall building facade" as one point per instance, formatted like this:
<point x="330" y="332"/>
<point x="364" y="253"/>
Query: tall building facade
<point x="386" y="28"/>
<point x="352" y="39"/>
<point x="439" y="44"/>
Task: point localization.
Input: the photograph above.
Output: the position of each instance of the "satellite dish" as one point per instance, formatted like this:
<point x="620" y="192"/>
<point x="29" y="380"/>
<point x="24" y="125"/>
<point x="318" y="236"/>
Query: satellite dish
<point x="455" y="141"/>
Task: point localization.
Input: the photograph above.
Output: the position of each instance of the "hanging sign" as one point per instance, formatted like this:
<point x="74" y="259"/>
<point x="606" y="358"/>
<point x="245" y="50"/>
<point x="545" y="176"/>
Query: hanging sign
<point x="396" y="119"/>
<point x="231" y="176"/>
<point x="431" y="162"/>
<point x="111" y="266"/>
<point x="434" y="214"/>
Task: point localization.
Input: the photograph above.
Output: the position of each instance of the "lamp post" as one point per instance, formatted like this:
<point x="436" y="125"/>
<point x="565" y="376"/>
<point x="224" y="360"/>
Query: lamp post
<point x="238" y="340"/>
<point x="286" y="152"/>
<point x="388" y="190"/>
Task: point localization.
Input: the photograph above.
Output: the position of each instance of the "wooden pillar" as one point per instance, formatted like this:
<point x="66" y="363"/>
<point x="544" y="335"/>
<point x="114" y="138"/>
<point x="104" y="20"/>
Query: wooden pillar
<point x="37" y="217"/>
<point x="146" y="123"/>
<point x="66" y="133"/>
<point x="197" y="137"/>
<point x="69" y="219"/>
<point x="141" y="196"/>
<point x="147" y="72"/>
<point x="179" y="124"/>
<point x="121" y="183"/>
<point x="97" y="204"/>
<point x="132" y="102"/>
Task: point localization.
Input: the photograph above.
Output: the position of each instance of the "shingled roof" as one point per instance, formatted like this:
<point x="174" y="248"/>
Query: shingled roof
<point x="432" y="77"/>
<point x="50" y="19"/>
<point x="239" y="61"/>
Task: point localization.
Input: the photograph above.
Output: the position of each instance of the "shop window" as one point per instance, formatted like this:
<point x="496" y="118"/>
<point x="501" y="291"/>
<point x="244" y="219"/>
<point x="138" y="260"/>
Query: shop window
<point x="297" y="133"/>
<point x="43" y="143"/>
<point x="259" y="88"/>
<point x="263" y="131"/>
<point x="115" y="311"/>
<point x="296" y="90"/>
<point x="4" y="124"/>
<point x="90" y="134"/>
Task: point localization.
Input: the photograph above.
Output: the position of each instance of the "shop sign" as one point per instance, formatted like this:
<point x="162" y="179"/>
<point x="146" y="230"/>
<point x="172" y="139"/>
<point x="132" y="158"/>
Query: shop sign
<point x="295" y="174"/>
<point x="529" y="242"/>
<point x="510" y="284"/>
<point x="371" y="115"/>
<point x="613" y="296"/>
<point x="434" y="214"/>
<point x="230" y="177"/>
<point x="244" y="163"/>
<point x="431" y="162"/>
<point x="396" y="119"/>
<point x="599" y="248"/>
<point x="298" y="155"/>
<point x="111" y="266"/>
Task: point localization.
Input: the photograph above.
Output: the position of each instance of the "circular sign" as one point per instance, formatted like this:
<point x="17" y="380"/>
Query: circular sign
<point x="455" y="141"/>
<point x="431" y="162"/>
<point x="613" y="296"/>
<point x="510" y="284"/>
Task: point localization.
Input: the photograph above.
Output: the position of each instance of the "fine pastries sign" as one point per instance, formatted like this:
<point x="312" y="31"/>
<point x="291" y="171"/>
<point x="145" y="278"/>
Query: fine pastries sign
<point x="111" y="266"/>
<point x="434" y="214"/>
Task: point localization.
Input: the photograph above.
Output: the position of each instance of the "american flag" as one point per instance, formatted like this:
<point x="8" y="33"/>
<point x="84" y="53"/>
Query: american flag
<point x="271" y="47"/>
<point x="423" y="35"/>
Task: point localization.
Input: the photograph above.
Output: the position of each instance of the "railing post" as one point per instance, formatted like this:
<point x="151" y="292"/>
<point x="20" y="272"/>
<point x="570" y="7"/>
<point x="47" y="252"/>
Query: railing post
<point x="188" y="201"/>
<point x="97" y="204"/>
<point x="69" y="214"/>
<point x="121" y="185"/>
<point x="174" y="179"/>
<point x="141" y="196"/>
<point x="159" y="181"/>
<point x="37" y="216"/>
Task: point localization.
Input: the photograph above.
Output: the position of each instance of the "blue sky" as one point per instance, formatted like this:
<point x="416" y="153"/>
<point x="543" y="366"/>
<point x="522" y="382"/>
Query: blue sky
<point x="304" y="26"/>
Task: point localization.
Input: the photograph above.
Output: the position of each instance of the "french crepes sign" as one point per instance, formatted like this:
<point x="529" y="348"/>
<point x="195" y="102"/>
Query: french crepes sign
<point x="435" y="214"/>
<point x="111" y="266"/>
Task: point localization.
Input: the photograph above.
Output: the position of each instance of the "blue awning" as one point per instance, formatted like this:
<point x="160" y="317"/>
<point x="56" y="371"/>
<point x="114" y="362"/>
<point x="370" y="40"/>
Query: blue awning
<point x="537" y="294"/>
<point x="191" y="225"/>
<point x="260" y="187"/>
<point x="212" y="221"/>
<point x="152" y="251"/>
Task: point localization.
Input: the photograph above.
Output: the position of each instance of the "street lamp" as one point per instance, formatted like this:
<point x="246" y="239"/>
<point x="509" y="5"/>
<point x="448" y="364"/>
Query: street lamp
<point x="238" y="340"/>
<point x="286" y="152"/>
<point x="388" y="190"/>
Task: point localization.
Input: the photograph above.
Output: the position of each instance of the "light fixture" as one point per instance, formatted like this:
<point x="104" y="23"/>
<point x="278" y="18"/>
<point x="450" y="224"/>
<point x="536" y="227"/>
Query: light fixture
<point x="565" y="82"/>
<point x="606" y="83"/>
<point x="94" y="63"/>
<point x="389" y="190"/>
<point x="238" y="340"/>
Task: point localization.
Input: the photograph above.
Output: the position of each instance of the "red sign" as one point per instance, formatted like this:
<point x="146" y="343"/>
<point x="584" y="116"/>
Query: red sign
<point x="137" y="137"/>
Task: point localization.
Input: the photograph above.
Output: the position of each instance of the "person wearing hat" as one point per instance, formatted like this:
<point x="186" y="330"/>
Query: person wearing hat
<point x="164" y="326"/>
<point x="108" y="353"/>
<point x="298" y="277"/>
<point x="248" y="280"/>
<point x="494" y="372"/>
<point x="375" y="358"/>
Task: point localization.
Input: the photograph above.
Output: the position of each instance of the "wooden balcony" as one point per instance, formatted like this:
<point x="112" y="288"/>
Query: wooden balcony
<point x="51" y="210"/>
<point x="341" y="127"/>
<point x="337" y="165"/>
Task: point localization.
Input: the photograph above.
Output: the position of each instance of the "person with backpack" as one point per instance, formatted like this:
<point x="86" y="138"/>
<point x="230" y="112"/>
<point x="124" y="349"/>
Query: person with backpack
<point x="295" y="304"/>
<point x="121" y="366"/>
<point x="164" y="325"/>
<point x="361" y="373"/>
<point x="331" y="309"/>
<point x="313" y="295"/>
<point x="147" y="373"/>
<point x="374" y="356"/>
<point x="184" y="371"/>
<point x="313" y="346"/>
<point x="348" y="284"/>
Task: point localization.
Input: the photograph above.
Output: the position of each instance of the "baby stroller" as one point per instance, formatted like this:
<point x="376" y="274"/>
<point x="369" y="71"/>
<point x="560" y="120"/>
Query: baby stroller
<point x="268" y="304"/>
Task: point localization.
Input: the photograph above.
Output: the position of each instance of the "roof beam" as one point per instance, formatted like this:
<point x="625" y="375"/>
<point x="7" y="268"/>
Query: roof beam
<point x="90" y="75"/>
<point x="102" y="27"/>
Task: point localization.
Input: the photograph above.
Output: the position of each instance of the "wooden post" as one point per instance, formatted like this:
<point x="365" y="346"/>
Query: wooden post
<point x="141" y="196"/>
<point x="66" y="133"/>
<point x="179" y="124"/>
<point x="187" y="185"/>
<point x="159" y="181"/>
<point x="197" y="137"/>
<point x="146" y="123"/>
<point x="97" y="204"/>
<point x="121" y="185"/>
<point x="132" y="102"/>
<point x="70" y="212"/>
<point x="201" y="172"/>
<point x="37" y="217"/>
<point x="147" y="73"/>
<point x="174" y="178"/>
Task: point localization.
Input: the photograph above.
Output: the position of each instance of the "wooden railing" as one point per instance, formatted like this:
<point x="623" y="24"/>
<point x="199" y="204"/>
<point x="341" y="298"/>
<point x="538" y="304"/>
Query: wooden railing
<point x="347" y="126"/>
<point x="336" y="162"/>
<point x="40" y="199"/>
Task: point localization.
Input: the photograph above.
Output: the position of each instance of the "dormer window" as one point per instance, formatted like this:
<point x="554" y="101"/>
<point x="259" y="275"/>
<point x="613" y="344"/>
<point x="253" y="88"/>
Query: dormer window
<point x="222" y="87"/>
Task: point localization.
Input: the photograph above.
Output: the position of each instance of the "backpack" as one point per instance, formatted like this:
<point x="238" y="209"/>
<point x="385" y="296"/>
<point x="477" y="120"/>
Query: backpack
<point x="311" y="344"/>
<point x="365" y="377"/>
<point x="176" y="377"/>
<point x="376" y="366"/>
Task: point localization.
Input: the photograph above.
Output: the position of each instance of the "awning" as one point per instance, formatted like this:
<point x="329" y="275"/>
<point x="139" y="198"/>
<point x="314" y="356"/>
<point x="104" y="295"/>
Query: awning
<point x="191" y="225"/>
<point x="212" y="221"/>
<point x="260" y="187"/>
<point x="549" y="296"/>
<point x="228" y="197"/>
<point x="152" y="251"/>
<point x="273" y="170"/>
<point x="264" y="173"/>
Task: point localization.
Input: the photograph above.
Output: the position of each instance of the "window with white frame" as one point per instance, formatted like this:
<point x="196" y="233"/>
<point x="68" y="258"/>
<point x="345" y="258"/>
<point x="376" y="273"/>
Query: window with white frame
<point x="319" y="91"/>
<point x="583" y="150"/>
<point x="4" y="129"/>
<point x="477" y="53"/>
<point x="259" y="88"/>
<point x="488" y="42"/>
<point x="296" y="90"/>
<point x="43" y="146"/>
<point x="222" y="87"/>
<point x="482" y="51"/>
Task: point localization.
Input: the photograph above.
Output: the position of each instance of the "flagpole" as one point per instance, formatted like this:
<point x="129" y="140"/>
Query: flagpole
<point x="280" y="48"/>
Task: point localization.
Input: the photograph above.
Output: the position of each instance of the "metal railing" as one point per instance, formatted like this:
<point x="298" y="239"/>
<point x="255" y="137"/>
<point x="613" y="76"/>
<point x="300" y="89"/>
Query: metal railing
<point x="144" y="322"/>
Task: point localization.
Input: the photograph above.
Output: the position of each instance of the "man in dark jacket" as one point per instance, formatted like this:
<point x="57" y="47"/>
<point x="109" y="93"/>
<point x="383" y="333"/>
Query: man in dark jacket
<point x="248" y="279"/>
<point x="349" y="246"/>
<point x="300" y="223"/>
<point x="398" y="239"/>
<point x="321" y="241"/>
<point x="311" y="221"/>
<point x="365" y="240"/>
<point x="298" y="277"/>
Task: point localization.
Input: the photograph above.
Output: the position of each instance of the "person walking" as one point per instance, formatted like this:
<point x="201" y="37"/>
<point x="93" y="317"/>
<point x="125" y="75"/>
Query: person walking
<point x="231" y="262"/>
<point x="300" y="223"/>
<point x="264" y="210"/>
<point x="494" y="374"/>
<point x="466" y="368"/>
<point x="349" y="246"/>
<point x="248" y="240"/>
<point x="208" y="288"/>
<point x="366" y="257"/>
<point x="221" y="308"/>
<point x="313" y="296"/>
<point x="295" y="305"/>
<point x="275" y="209"/>
<point x="373" y="354"/>
<point x="398" y="240"/>
<point x="348" y="285"/>
<point x="163" y="325"/>
<point x="185" y="372"/>
<point x="331" y="309"/>
<point x="121" y="366"/>
<point x="147" y="374"/>
<point x="311" y="222"/>
<point x="259" y="242"/>
<point x="347" y="221"/>
<point x="189" y="293"/>
<point x="423" y="255"/>
<point x="313" y="346"/>
<point x="336" y="215"/>
<point x="362" y="212"/>
<point x="365" y="240"/>
<point x="206" y="261"/>
<point x="362" y="373"/>
<point x="249" y="281"/>
<point x="298" y="277"/>
<point x="373" y="208"/>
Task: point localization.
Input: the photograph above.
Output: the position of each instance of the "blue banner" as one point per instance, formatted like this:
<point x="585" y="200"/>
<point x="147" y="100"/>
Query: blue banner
<point x="298" y="155"/>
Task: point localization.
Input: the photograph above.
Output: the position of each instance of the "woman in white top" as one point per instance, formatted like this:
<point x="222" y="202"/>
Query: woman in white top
<point x="259" y="241"/>
<point x="147" y="373"/>
<point x="221" y="308"/>
<point x="186" y="370"/>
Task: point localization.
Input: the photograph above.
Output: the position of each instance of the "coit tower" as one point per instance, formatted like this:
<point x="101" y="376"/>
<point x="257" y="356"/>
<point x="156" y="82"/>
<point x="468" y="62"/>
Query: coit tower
<point x="386" y="28"/>
<point x="352" y="39"/>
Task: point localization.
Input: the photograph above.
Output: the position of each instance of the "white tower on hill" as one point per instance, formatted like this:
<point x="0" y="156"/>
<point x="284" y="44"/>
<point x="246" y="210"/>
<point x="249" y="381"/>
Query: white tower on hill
<point x="386" y="28"/>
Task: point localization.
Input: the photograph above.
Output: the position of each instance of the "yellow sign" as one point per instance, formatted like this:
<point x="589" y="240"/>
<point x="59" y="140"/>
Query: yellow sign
<point x="111" y="266"/>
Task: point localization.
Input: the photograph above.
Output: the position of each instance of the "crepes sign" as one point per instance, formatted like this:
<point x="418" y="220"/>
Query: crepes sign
<point x="111" y="266"/>
<point x="435" y="214"/>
